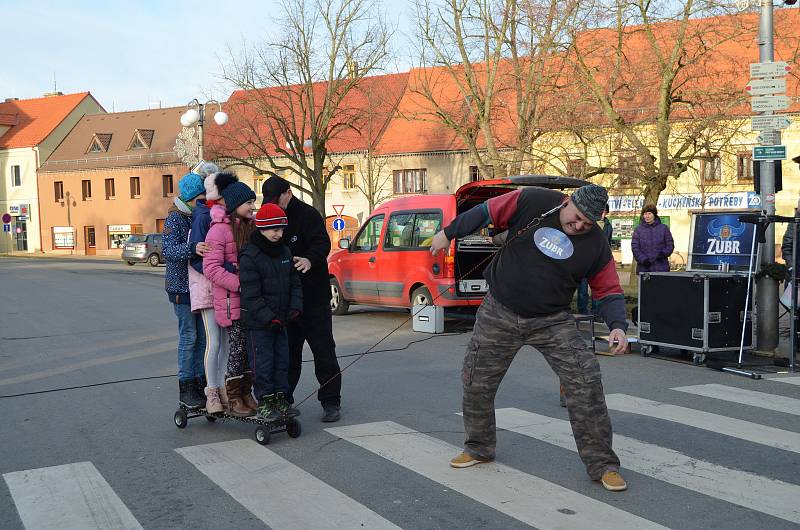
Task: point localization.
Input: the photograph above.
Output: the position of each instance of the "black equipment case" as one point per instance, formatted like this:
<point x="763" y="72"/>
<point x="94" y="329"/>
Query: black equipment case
<point x="700" y="312"/>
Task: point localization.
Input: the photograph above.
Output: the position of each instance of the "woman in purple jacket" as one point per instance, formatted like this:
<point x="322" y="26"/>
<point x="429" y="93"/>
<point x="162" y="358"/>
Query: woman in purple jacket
<point x="652" y="242"/>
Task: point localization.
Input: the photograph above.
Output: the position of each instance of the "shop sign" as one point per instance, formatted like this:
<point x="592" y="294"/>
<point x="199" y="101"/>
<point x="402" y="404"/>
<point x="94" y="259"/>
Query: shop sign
<point x="689" y="201"/>
<point x="63" y="237"/>
<point x="119" y="229"/>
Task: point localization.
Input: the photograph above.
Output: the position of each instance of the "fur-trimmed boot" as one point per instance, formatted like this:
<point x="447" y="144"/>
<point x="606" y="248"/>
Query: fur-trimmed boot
<point x="247" y="392"/>
<point x="236" y="407"/>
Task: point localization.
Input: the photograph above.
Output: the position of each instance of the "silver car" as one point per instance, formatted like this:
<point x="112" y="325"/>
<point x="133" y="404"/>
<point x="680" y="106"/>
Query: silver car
<point x="140" y="248"/>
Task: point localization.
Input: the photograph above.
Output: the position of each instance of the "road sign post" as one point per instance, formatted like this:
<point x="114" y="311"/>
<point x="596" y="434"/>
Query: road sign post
<point x="769" y="123"/>
<point x="763" y="87"/>
<point x="769" y="152"/>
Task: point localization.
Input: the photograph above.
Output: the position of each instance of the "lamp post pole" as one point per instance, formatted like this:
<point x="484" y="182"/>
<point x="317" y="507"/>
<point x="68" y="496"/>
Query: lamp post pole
<point x="196" y="115"/>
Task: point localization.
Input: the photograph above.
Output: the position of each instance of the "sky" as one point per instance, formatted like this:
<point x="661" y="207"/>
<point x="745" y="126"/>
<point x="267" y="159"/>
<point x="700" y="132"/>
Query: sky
<point x="135" y="55"/>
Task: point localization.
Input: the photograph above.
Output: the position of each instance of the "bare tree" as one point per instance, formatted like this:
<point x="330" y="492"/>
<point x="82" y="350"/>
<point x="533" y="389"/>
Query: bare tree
<point x="486" y="65"/>
<point x="662" y="79"/>
<point x="296" y="93"/>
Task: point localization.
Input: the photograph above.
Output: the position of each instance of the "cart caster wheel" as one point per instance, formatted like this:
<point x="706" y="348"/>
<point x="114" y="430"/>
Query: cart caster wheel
<point x="211" y="419"/>
<point x="699" y="359"/>
<point x="646" y="350"/>
<point x="262" y="435"/>
<point x="181" y="421"/>
<point x="293" y="428"/>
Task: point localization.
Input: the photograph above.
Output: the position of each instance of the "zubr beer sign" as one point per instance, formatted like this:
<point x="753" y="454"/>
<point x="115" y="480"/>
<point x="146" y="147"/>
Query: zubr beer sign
<point x="720" y="238"/>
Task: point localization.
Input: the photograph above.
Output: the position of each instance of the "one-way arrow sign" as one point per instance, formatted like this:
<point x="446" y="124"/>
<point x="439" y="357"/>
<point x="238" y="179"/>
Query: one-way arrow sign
<point x="762" y="87"/>
<point x="769" y="123"/>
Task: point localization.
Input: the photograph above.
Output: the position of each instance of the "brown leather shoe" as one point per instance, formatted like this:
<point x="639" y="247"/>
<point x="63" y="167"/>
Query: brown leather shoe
<point x="465" y="459"/>
<point x="236" y="406"/>
<point x="613" y="481"/>
<point x="247" y="392"/>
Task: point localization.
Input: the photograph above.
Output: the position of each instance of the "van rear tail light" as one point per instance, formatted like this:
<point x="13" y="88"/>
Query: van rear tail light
<point x="450" y="266"/>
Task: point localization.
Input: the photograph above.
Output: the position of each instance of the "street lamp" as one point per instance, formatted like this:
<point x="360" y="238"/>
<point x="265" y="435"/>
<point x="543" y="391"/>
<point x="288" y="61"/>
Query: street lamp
<point x="196" y="114"/>
<point x="70" y="202"/>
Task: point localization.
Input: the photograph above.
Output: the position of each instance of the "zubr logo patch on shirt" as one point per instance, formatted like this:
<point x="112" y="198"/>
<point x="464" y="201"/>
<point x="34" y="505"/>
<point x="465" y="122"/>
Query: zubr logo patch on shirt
<point x="553" y="243"/>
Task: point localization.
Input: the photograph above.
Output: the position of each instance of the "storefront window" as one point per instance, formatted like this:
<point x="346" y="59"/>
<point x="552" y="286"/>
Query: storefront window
<point x="118" y="234"/>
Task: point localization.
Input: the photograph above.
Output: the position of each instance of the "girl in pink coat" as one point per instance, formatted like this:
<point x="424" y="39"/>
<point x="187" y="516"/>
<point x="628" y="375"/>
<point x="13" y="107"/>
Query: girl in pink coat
<point x="230" y="230"/>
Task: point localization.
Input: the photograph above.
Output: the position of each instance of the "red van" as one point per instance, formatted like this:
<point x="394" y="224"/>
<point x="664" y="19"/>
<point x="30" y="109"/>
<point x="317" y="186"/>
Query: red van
<point x="389" y="262"/>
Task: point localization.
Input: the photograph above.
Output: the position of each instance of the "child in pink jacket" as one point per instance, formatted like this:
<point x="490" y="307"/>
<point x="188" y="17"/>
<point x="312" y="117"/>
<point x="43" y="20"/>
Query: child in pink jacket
<point x="230" y="230"/>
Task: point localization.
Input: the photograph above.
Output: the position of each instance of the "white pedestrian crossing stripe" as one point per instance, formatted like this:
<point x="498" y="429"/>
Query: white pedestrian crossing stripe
<point x="276" y="491"/>
<point x="68" y="496"/>
<point x="744" y="430"/>
<point x="527" y="498"/>
<point x="793" y="380"/>
<point x="766" y="495"/>
<point x="745" y="397"/>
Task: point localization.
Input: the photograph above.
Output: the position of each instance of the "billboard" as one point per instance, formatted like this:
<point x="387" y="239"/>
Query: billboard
<point x="719" y="237"/>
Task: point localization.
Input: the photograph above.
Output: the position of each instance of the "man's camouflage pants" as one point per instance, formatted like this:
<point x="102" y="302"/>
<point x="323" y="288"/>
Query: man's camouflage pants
<point x="499" y="333"/>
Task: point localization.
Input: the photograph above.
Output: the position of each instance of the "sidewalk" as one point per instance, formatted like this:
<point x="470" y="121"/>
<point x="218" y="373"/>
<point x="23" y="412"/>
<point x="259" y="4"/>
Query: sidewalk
<point x="75" y="257"/>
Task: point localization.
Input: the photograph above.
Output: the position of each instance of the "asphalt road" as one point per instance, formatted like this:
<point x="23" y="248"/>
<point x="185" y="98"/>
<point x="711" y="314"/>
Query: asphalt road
<point x="80" y="447"/>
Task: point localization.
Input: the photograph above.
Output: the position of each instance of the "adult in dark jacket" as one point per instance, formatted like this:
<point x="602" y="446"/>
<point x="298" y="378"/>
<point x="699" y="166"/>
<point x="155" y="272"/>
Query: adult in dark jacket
<point x="652" y="242"/>
<point x="272" y="297"/>
<point x="310" y="245"/>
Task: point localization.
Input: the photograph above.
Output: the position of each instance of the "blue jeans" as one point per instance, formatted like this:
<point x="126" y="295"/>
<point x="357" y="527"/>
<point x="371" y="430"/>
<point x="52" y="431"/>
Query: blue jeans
<point x="269" y="359"/>
<point x="191" y="342"/>
<point x="583" y="297"/>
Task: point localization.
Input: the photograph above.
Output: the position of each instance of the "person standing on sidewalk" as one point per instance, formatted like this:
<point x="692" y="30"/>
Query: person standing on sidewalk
<point x="652" y="242"/>
<point x="309" y="242"/>
<point x="553" y="242"/>
<point x="272" y="297"/>
<point x="177" y="251"/>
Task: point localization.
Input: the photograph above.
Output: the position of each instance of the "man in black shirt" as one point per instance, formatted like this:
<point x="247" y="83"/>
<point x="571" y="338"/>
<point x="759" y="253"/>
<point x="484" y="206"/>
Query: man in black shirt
<point x="309" y="242"/>
<point x="553" y="243"/>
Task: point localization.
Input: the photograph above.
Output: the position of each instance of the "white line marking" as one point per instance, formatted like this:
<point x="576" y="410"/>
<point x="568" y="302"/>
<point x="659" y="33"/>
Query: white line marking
<point x="527" y="498"/>
<point x="744" y="430"/>
<point x="745" y="397"/>
<point x="276" y="491"/>
<point x="762" y="494"/>
<point x="68" y="496"/>
<point x="793" y="380"/>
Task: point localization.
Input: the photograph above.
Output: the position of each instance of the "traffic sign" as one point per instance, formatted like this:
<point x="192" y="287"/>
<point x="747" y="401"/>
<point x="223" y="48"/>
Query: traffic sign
<point x="762" y="87"/>
<point x="338" y="208"/>
<point x="769" y="152"/>
<point x="6" y="228"/>
<point x="776" y="69"/>
<point x="6" y="218"/>
<point x="338" y="224"/>
<point x="769" y="123"/>
<point x="769" y="138"/>
<point x="768" y="103"/>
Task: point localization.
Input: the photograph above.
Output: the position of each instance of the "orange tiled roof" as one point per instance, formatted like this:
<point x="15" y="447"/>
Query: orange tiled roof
<point x="36" y="118"/>
<point x="359" y="120"/>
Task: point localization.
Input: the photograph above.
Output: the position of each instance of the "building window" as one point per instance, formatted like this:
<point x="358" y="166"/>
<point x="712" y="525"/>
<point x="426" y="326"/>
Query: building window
<point x="142" y="139"/>
<point x="410" y="181"/>
<point x="166" y="185"/>
<point x="475" y="173"/>
<point x="111" y="191"/>
<point x="257" y="183"/>
<point x="349" y="177"/>
<point x="711" y="169"/>
<point x="744" y="167"/>
<point x="16" y="176"/>
<point x="58" y="187"/>
<point x="627" y="172"/>
<point x="136" y="189"/>
<point x="86" y="190"/>
<point x="576" y="168"/>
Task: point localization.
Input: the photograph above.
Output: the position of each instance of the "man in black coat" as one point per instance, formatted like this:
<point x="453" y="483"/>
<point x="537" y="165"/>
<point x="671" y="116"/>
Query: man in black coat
<point x="309" y="242"/>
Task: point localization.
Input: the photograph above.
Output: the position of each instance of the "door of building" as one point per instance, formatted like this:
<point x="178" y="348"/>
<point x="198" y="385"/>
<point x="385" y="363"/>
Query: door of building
<point x="20" y="234"/>
<point x="160" y="225"/>
<point x="91" y="242"/>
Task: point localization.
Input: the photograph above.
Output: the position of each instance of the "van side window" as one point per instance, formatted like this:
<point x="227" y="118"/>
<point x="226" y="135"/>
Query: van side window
<point x="370" y="234"/>
<point x="400" y="231"/>
<point x="425" y="227"/>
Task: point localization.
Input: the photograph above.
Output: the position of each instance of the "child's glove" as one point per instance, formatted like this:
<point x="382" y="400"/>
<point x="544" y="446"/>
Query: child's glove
<point x="294" y="315"/>
<point x="275" y="326"/>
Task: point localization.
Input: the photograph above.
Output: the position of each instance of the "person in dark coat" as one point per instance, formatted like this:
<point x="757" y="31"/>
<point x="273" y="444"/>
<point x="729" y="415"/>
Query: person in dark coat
<point x="310" y="245"/>
<point x="652" y="242"/>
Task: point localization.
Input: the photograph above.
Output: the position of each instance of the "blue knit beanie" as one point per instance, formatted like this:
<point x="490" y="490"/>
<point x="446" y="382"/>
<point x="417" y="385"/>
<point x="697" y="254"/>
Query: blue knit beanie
<point x="236" y="194"/>
<point x="191" y="185"/>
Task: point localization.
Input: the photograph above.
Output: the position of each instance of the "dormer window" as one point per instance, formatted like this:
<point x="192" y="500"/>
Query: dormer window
<point x="142" y="139"/>
<point x="99" y="143"/>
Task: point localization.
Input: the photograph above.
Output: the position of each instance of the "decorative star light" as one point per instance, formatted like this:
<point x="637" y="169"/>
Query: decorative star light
<point x="187" y="146"/>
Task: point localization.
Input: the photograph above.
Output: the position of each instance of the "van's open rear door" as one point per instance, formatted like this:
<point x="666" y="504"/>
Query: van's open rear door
<point x="479" y="191"/>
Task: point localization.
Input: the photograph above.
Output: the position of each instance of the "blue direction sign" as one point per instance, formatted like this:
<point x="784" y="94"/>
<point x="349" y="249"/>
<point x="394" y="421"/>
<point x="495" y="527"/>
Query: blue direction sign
<point x="6" y="228"/>
<point x="338" y="224"/>
<point x="769" y="152"/>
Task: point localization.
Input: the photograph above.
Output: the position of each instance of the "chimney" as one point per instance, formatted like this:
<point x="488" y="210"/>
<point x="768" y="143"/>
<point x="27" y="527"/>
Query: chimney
<point x="53" y="94"/>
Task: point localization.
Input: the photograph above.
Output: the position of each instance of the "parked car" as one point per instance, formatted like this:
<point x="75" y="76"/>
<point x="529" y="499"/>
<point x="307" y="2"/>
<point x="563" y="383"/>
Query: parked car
<point x="140" y="248"/>
<point x="389" y="262"/>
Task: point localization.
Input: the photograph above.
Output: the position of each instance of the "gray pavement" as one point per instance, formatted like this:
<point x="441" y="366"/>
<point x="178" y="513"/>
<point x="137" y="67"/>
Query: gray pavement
<point x="716" y="463"/>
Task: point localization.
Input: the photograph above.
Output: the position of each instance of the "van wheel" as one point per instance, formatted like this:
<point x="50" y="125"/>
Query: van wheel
<point x="153" y="260"/>
<point x="339" y="306"/>
<point x="421" y="296"/>
<point x="131" y="263"/>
